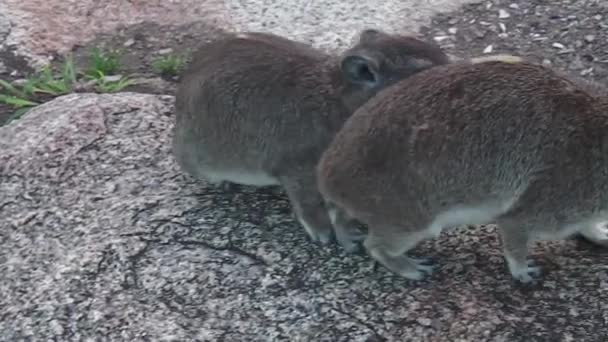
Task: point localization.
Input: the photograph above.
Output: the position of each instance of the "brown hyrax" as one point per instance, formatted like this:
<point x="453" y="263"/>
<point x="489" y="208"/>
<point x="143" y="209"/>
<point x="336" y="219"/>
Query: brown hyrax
<point x="258" y="109"/>
<point x="512" y="143"/>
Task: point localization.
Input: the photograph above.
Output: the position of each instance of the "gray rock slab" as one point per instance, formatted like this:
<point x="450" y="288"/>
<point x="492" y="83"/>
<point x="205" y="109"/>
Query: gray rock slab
<point x="103" y="238"/>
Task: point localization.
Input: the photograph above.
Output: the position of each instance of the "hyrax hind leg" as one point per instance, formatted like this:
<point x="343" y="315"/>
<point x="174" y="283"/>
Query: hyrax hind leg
<point x="309" y="206"/>
<point x="389" y="248"/>
<point x="515" y="239"/>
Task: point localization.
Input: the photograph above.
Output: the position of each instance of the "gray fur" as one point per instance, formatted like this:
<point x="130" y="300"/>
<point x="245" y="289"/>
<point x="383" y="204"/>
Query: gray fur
<point x="258" y="109"/>
<point x="512" y="143"/>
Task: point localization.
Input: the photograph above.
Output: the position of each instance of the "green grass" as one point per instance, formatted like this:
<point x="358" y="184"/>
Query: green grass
<point x="49" y="83"/>
<point x="54" y="84"/>
<point x="105" y="61"/>
<point x="104" y="85"/>
<point x="170" y="65"/>
<point x="45" y="83"/>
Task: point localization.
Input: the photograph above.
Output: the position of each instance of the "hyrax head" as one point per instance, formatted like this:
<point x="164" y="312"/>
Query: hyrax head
<point x="380" y="59"/>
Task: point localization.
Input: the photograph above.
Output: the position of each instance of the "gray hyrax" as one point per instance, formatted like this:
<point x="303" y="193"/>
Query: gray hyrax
<point x="516" y="144"/>
<point x="258" y="109"/>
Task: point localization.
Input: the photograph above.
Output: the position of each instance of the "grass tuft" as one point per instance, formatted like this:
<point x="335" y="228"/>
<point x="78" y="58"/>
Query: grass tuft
<point x="48" y="83"/>
<point x="170" y="65"/>
<point x="109" y="84"/>
<point x="105" y="61"/>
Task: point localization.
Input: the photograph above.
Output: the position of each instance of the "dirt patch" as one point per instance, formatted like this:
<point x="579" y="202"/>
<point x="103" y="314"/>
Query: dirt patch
<point x="142" y="44"/>
<point x="14" y="63"/>
<point x="12" y="68"/>
<point x="138" y="45"/>
<point x="5" y="113"/>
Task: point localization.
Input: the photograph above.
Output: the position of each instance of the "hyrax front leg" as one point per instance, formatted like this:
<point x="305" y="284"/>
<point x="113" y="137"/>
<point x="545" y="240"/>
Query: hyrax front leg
<point x="346" y="228"/>
<point x="309" y="206"/>
<point x="515" y="249"/>
<point x="389" y="248"/>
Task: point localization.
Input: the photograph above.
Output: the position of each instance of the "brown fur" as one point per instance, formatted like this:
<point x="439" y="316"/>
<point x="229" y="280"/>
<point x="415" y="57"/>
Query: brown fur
<point x="512" y="143"/>
<point x="259" y="109"/>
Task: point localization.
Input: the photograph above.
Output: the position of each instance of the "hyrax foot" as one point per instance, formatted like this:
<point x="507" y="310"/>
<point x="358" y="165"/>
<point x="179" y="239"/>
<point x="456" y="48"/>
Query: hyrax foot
<point x="390" y="246"/>
<point x="318" y="229"/>
<point x="350" y="239"/>
<point x="405" y="266"/>
<point x="525" y="273"/>
<point x="309" y="207"/>
<point x="316" y="223"/>
<point x="597" y="234"/>
<point x="318" y="234"/>
<point x="348" y="233"/>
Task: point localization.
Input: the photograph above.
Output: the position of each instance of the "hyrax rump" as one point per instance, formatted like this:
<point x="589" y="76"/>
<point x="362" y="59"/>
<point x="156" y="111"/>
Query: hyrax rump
<point x="511" y="143"/>
<point x="258" y="109"/>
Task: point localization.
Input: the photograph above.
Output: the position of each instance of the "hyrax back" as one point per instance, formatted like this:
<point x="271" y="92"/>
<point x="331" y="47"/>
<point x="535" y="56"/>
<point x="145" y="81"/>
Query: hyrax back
<point x="259" y="109"/>
<point x="511" y="143"/>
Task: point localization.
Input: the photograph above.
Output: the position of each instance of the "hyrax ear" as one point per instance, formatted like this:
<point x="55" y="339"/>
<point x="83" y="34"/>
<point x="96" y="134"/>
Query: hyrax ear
<point x="361" y="69"/>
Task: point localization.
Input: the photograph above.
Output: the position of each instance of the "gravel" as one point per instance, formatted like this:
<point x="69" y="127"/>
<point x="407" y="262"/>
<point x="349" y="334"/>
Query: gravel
<point x="570" y="35"/>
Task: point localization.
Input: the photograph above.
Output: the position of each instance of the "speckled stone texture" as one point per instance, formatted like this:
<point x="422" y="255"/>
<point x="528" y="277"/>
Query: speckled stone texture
<point x="60" y="25"/>
<point x="104" y="238"/>
<point x="333" y="24"/>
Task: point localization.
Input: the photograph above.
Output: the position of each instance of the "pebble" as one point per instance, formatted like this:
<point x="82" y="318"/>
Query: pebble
<point x="514" y="6"/>
<point x="558" y="45"/>
<point x="478" y="33"/>
<point x="19" y="82"/>
<point x="165" y="51"/>
<point x="565" y="51"/>
<point x="488" y="49"/>
<point x="129" y="42"/>
<point x="112" y="78"/>
<point x="56" y="327"/>
<point x="502" y="14"/>
<point x="424" y="321"/>
<point x="576" y="64"/>
<point x="503" y="27"/>
<point x="452" y="30"/>
<point x="589" y="38"/>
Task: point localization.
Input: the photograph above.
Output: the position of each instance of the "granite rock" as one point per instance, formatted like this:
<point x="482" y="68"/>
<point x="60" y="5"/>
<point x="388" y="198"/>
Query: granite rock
<point x="104" y="238"/>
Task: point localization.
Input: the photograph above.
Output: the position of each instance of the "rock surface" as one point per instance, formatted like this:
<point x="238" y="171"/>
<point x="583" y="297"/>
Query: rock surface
<point x="102" y="237"/>
<point x="327" y="23"/>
